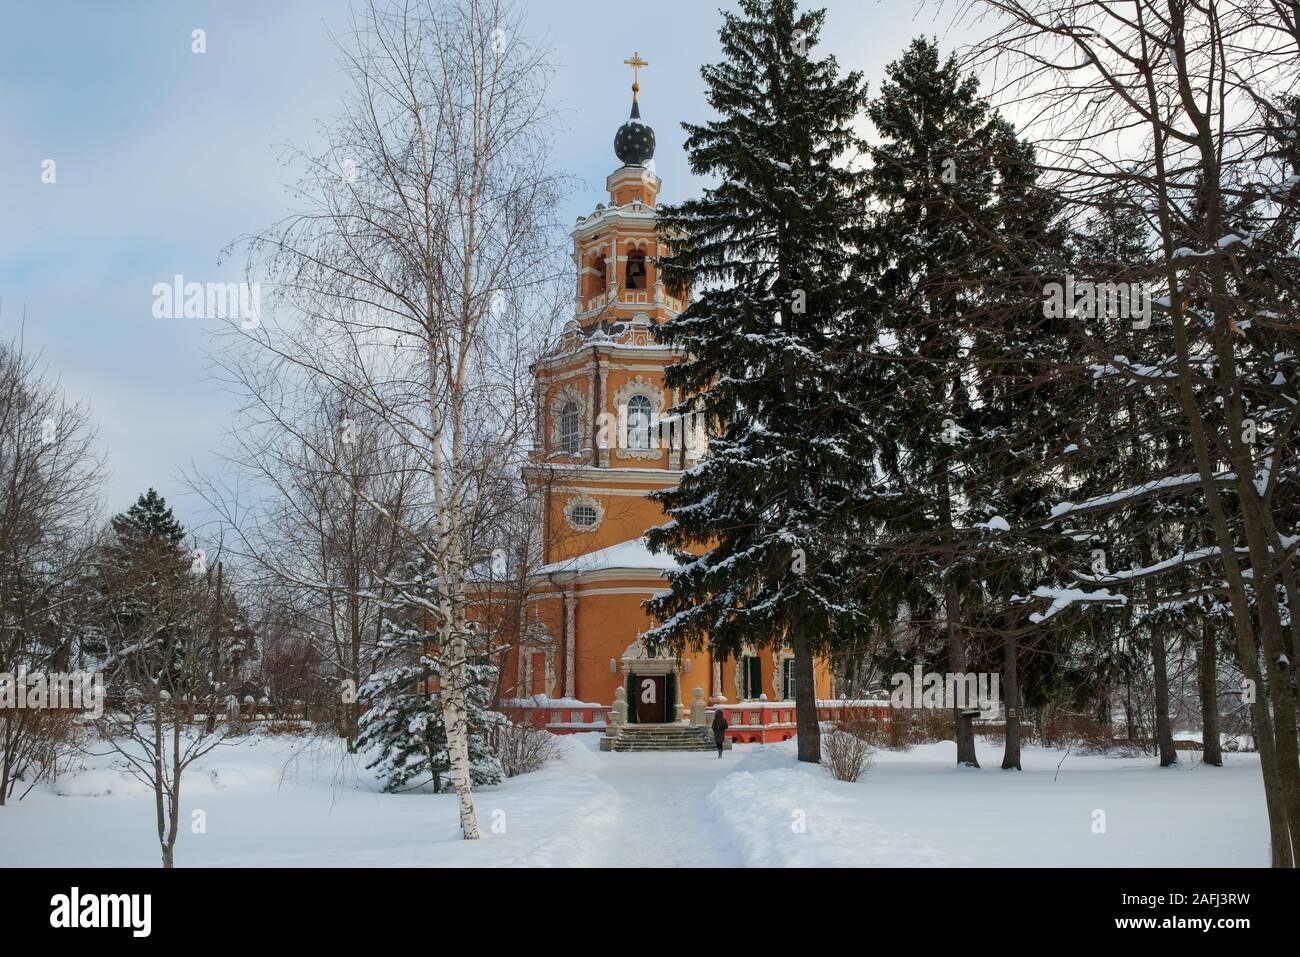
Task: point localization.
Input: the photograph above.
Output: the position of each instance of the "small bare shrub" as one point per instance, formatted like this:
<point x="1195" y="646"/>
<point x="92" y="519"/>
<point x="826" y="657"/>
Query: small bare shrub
<point x="524" y="748"/>
<point x="892" y="733"/>
<point x="934" y="724"/>
<point x="40" y="743"/>
<point x="846" y="751"/>
<point x="899" y="734"/>
<point x="1061" y="729"/>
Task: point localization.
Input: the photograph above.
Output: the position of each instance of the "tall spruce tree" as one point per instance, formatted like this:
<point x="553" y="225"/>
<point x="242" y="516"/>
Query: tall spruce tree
<point x="933" y="178"/>
<point x="768" y="252"/>
<point x="149" y="523"/>
<point x="147" y="588"/>
<point x="1024" y="419"/>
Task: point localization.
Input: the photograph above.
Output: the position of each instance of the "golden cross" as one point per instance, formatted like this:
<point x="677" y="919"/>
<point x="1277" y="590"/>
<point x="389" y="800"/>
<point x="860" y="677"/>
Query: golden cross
<point x="636" y="63"/>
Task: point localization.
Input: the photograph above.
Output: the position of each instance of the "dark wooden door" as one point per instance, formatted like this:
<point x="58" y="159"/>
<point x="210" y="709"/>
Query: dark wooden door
<point x="651" y="695"/>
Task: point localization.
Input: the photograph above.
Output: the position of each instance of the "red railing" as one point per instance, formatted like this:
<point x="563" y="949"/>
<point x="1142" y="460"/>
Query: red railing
<point x="558" y="715"/>
<point x="755" y="722"/>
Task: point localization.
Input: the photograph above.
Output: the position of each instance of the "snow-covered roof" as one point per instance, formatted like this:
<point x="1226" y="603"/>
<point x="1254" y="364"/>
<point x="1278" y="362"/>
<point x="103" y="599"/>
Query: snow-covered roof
<point x="633" y="554"/>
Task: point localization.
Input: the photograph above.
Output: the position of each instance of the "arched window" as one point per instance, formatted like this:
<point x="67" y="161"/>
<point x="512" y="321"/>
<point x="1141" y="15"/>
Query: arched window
<point x="569" y="427"/>
<point x="638" y="422"/>
<point x="636" y="276"/>
<point x="599" y="281"/>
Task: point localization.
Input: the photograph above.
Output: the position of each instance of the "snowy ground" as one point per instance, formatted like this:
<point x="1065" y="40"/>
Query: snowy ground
<point x="276" y="801"/>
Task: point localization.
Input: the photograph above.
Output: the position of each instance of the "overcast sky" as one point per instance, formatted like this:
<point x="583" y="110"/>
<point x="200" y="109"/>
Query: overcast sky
<point x="163" y="156"/>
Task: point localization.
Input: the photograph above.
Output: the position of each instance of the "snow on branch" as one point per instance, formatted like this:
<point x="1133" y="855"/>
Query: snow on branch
<point x="1063" y="598"/>
<point x="1177" y="561"/>
<point x="1190" y="480"/>
<point x="1120" y="365"/>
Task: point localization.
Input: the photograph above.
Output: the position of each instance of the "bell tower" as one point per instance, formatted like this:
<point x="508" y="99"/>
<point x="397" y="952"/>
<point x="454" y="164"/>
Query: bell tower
<point x="604" y="440"/>
<point x="604" y="443"/>
<point x="616" y="248"/>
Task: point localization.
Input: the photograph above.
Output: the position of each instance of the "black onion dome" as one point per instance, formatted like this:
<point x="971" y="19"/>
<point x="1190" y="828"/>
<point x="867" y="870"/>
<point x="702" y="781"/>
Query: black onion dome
<point x="634" y="143"/>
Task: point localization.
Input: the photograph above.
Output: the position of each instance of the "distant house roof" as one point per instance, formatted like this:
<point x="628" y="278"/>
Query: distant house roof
<point x="633" y="554"/>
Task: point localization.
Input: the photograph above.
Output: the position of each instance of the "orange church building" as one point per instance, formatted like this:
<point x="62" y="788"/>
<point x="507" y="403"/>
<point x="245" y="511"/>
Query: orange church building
<point x="604" y="442"/>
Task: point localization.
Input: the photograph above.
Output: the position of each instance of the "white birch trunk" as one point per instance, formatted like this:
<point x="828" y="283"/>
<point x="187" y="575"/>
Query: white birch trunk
<point x="455" y="716"/>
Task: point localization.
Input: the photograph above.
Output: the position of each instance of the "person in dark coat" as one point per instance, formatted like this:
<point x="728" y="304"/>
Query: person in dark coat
<point x="719" y="730"/>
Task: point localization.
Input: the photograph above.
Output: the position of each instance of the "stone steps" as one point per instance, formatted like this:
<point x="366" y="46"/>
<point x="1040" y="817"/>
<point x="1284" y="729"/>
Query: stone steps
<point x="662" y="737"/>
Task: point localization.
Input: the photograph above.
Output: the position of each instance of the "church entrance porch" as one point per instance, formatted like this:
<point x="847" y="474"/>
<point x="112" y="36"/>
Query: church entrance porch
<point x="653" y="685"/>
<point x="649" y="695"/>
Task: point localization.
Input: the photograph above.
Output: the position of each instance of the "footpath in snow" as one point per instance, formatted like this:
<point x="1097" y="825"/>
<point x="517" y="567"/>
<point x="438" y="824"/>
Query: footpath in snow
<point x="284" y="801"/>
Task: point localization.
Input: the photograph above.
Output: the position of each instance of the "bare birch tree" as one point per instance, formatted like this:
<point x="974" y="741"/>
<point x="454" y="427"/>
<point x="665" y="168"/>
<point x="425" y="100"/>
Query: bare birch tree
<point x="412" y="280"/>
